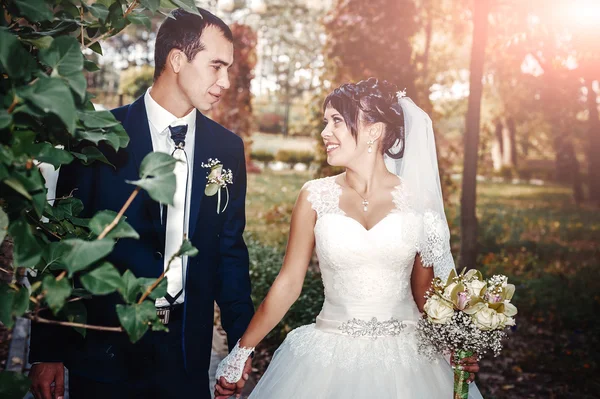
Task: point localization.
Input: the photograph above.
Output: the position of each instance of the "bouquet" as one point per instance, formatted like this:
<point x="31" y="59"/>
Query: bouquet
<point x="465" y="316"/>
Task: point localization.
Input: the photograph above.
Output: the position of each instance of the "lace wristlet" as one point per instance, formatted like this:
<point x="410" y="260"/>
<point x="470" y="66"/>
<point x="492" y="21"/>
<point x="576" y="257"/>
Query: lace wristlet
<point x="232" y="367"/>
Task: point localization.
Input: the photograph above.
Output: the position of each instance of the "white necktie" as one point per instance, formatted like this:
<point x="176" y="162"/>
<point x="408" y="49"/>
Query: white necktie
<point x="175" y="223"/>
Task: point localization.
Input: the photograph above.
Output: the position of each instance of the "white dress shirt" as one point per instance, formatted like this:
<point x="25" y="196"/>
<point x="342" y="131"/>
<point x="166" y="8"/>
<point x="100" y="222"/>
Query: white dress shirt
<point x="159" y="120"/>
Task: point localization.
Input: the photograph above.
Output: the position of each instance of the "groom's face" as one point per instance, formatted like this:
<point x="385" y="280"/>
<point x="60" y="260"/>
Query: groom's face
<point x="204" y="79"/>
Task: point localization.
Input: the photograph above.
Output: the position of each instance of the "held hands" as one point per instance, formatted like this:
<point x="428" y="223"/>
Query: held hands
<point x="48" y="380"/>
<point x="468" y="364"/>
<point x="233" y="371"/>
<point x="224" y="389"/>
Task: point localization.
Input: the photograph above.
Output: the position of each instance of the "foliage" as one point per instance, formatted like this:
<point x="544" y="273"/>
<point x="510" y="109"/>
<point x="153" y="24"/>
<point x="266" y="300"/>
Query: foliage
<point x="135" y="81"/>
<point x="265" y="263"/>
<point x="235" y="110"/>
<point x="47" y="115"/>
<point x="263" y="156"/>
<point x="292" y="157"/>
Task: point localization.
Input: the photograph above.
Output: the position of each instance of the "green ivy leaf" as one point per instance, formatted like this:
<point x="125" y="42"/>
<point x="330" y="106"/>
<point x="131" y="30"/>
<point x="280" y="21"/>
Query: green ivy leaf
<point x="41" y="43"/>
<point x="67" y="208"/>
<point x="5" y="119"/>
<point x="57" y="292"/>
<point x="140" y="19"/>
<point x="14" y="59"/>
<point x="187" y="5"/>
<point x="135" y="319"/>
<point x="51" y="95"/>
<point x="13" y="384"/>
<point x="7" y="298"/>
<point x="157" y="177"/>
<point x="21" y="304"/>
<point x="121" y="230"/>
<point x="130" y="287"/>
<point x="53" y="256"/>
<point x="75" y="312"/>
<point x="3" y="225"/>
<point x="90" y="154"/>
<point x="97" y="119"/>
<point x="34" y="10"/>
<point x="99" y="11"/>
<point x="158" y="292"/>
<point x="77" y="83"/>
<point x="187" y="249"/>
<point x="90" y="66"/>
<point x="26" y="251"/>
<point x="151" y="5"/>
<point x="82" y="253"/>
<point x="18" y="187"/>
<point x="46" y="152"/>
<point x="103" y="280"/>
<point x="64" y="56"/>
<point x="96" y="48"/>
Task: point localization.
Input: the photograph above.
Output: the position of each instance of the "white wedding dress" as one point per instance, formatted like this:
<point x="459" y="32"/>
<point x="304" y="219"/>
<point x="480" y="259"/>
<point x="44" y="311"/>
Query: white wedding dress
<point x="363" y="344"/>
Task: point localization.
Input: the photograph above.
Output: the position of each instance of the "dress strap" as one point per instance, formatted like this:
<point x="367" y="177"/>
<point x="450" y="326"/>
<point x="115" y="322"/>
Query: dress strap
<point x="324" y="196"/>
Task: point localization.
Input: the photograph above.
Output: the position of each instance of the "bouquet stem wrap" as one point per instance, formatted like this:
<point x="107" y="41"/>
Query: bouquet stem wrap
<point x="461" y="387"/>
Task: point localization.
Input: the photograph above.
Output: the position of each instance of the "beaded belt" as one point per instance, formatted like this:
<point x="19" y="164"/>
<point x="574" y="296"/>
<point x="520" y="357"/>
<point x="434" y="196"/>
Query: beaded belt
<point x="358" y="328"/>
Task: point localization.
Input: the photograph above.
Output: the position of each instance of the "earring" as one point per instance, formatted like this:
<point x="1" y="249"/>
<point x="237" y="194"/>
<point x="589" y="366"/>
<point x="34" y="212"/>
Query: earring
<point x="370" y="143"/>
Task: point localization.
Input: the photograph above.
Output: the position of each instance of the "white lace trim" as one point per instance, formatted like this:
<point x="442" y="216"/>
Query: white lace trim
<point x="434" y="245"/>
<point x="232" y="367"/>
<point x="324" y="195"/>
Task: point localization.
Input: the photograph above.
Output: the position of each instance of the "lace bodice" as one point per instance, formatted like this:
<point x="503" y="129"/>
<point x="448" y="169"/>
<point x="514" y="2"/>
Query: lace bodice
<point x="366" y="273"/>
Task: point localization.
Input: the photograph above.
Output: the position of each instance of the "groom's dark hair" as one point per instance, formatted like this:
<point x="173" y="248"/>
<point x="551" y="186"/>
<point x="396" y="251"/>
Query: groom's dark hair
<point x="182" y="30"/>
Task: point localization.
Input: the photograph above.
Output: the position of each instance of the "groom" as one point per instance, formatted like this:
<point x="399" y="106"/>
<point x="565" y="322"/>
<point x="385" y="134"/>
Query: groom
<point x="192" y="57"/>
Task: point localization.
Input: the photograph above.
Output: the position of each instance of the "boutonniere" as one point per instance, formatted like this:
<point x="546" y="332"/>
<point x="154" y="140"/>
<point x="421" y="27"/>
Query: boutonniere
<point x="217" y="180"/>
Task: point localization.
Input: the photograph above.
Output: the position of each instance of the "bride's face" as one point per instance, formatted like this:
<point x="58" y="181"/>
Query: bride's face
<point x="337" y="138"/>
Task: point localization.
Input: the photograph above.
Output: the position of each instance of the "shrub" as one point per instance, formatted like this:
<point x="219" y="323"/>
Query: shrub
<point x="135" y="81"/>
<point x="265" y="263"/>
<point x="263" y="156"/>
<point x="292" y="157"/>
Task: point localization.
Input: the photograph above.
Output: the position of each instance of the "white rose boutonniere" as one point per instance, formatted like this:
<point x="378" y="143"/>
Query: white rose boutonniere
<point x="217" y="180"/>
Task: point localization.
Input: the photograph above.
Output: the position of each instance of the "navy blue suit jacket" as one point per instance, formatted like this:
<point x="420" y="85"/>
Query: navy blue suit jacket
<point x="219" y="271"/>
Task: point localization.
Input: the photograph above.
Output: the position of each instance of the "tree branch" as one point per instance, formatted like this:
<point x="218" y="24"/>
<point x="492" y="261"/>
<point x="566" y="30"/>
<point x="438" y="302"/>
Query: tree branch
<point x="38" y="319"/>
<point x="115" y="221"/>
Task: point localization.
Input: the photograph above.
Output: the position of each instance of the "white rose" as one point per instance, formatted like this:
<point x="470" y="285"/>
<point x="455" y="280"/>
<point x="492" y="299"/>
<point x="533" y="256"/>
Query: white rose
<point x="438" y="311"/>
<point x="474" y="287"/>
<point x="487" y="319"/>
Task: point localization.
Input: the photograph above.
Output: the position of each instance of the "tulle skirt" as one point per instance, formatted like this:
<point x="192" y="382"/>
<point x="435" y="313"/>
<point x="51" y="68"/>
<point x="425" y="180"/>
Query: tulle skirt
<point x="314" y="364"/>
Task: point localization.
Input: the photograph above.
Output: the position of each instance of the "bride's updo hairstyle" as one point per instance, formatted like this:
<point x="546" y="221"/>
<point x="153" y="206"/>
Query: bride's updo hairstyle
<point x="371" y="101"/>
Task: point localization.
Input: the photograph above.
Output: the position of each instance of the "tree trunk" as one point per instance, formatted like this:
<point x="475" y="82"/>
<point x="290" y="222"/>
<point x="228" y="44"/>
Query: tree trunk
<point x="498" y="147"/>
<point x="512" y="134"/>
<point x="468" y="249"/>
<point x="594" y="146"/>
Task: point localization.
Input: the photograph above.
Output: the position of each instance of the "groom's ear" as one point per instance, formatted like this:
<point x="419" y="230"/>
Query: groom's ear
<point x="175" y="59"/>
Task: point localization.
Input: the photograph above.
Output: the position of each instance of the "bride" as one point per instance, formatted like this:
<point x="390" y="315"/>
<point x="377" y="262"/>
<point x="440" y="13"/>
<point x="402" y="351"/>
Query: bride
<point x="380" y="235"/>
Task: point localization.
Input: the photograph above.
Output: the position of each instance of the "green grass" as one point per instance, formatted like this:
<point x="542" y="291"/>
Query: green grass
<point x="542" y="241"/>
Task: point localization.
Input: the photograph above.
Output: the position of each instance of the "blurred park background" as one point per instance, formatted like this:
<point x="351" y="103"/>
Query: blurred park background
<point x="512" y="87"/>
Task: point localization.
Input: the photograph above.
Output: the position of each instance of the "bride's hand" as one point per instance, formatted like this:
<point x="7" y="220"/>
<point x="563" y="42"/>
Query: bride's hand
<point x="224" y="389"/>
<point x="468" y="364"/>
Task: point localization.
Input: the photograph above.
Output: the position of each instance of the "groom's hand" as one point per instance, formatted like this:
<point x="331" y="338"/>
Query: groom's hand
<point x="42" y="376"/>
<point x="224" y="389"/>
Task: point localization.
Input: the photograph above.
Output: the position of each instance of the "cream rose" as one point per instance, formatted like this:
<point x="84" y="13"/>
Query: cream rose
<point x="438" y="311"/>
<point x="487" y="319"/>
<point x="474" y="287"/>
<point x="448" y="291"/>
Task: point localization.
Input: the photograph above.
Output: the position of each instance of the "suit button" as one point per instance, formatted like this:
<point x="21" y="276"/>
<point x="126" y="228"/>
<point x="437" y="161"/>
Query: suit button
<point x="158" y="255"/>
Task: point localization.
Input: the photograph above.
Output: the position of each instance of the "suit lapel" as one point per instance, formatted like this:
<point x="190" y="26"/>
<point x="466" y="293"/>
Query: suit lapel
<point x="204" y="148"/>
<point x="140" y="144"/>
